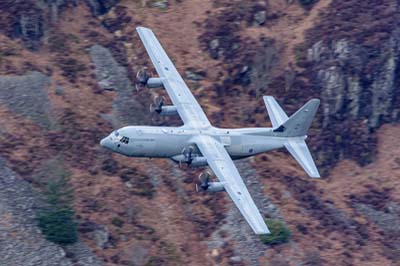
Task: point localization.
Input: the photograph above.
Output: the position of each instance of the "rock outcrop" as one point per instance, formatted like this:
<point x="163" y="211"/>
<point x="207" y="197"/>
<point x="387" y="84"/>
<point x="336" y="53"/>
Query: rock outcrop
<point x="112" y="76"/>
<point x="28" y="20"/>
<point x="354" y="70"/>
<point x="352" y="67"/>
<point x="31" y="20"/>
<point x="348" y="89"/>
<point x="26" y="95"/>
<point x="20" y="239"/>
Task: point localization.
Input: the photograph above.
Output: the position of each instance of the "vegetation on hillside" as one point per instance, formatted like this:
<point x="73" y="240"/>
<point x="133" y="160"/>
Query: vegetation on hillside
<point x="56" y="220"/>
<point x="279" y="232"/>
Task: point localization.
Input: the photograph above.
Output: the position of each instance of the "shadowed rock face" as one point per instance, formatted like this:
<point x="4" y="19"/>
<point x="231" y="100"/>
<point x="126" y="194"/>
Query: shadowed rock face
<point x="349" y="89"/>
<point x="354" y="70"/>
<point x="29" y="20"/>
<point x="357" y="94"/>
<point x="100" y="7"/>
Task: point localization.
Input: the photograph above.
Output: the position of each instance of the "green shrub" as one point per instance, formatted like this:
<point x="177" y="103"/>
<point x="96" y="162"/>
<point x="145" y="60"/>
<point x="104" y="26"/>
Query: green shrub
<point x="58" y="226"/>
<point x="279" y="233"/>
<point x="56" y="220"/>
<point x="117" y="222"/>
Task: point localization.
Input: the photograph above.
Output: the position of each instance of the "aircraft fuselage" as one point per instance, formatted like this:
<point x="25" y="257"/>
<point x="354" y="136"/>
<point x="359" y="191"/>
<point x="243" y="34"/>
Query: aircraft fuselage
<point x="167" y="142"/>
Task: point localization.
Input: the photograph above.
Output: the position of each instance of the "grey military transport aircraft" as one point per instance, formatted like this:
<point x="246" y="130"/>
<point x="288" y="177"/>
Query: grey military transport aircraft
<point x="197" y="143"/>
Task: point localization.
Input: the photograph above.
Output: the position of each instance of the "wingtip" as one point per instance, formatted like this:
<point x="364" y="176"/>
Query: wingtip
<point x="268" y="97"/>
<point x="265" y="232"/>
<point x="314" y="173"/>
<point x="139" y="28"/>
<point x="262" y="230"/>
<point x="315" y="101"/>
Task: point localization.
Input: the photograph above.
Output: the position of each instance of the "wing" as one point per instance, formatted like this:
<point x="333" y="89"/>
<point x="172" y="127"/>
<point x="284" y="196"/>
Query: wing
<point x="223" y="167"/>
<point x="188" y="108"/>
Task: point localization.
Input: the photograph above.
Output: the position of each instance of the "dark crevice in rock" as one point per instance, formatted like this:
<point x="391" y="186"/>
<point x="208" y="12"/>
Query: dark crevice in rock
<point x="100" y="7"/>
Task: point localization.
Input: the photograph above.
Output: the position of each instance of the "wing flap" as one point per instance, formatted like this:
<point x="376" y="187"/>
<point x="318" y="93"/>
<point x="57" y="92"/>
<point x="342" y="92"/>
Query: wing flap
<point x="224" y="168"/>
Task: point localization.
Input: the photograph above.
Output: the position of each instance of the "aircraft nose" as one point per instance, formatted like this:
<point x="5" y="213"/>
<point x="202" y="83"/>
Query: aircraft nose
<point x="106" y="142"/>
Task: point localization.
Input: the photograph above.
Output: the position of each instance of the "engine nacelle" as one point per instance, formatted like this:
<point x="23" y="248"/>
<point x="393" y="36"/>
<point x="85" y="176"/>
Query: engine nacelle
<point x="168" y="110"/>
<point x="214" y="187"/>
<point x="199" y="161"/>
<point x="154" y="83"/>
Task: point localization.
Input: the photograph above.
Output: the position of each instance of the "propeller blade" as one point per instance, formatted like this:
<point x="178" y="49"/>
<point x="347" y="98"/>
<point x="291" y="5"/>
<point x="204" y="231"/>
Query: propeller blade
<point x="142" y="76"/>
<point x="204" y="177"/>
<point x="187" y="152"/>
<point x="156" y="106"/>
<point x="159" y="100"/>
<point x="139" y="86"/>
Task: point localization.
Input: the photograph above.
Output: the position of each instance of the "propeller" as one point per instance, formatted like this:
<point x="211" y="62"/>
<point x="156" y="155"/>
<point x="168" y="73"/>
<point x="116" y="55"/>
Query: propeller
<point x="204" y="178"/>
<point x="142" y="76"/>
<point x="188" y="152"/>
<point x="157" y="104"/>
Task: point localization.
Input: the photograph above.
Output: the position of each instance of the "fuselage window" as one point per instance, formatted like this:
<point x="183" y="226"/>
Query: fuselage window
<point x="124" y="140"/>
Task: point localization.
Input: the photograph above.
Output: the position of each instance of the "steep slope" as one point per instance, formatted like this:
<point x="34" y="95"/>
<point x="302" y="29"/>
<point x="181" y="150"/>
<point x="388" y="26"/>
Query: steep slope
<point x="67" y="79"/>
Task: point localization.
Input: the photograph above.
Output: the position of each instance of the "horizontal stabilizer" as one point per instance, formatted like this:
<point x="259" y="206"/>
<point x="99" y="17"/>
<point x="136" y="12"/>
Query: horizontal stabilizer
<point x="299" y="150"/>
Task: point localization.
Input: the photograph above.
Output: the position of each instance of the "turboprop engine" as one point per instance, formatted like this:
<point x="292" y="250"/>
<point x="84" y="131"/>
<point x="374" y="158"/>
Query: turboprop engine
<point x="205" y="185"/>
<point x="145" y="79"/>
<point x="190" y="156"/>
<point x="158" y="107"/>
<point x="199" y="161"/>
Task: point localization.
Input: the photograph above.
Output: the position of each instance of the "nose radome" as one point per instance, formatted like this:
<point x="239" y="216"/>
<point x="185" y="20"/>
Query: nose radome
<point x="104" y="142"/>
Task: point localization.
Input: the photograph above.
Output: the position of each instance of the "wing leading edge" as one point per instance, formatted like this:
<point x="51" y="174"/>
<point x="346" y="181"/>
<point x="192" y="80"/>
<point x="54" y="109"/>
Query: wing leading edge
<point x="188" y="108"/>
<point x="224" y="168"/>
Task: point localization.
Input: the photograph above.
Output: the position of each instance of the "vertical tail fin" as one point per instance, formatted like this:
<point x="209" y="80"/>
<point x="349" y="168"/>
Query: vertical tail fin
<point x="295" y="128"/>
<point x="298" y="124"/>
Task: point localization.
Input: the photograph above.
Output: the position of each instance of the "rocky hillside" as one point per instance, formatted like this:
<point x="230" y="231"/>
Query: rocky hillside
<point x="67" y="75"/>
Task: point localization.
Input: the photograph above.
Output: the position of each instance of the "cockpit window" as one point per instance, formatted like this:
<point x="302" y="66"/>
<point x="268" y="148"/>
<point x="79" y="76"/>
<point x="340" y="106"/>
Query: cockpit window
<point x="124" y="140"/>
<point x="116" y="133"/>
